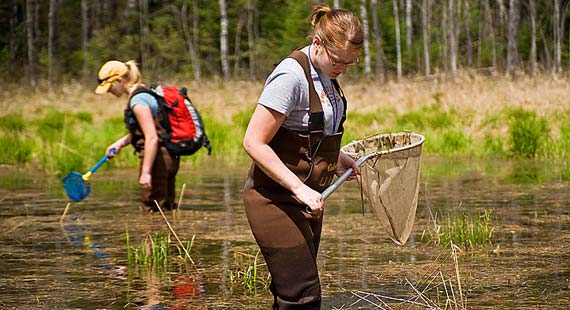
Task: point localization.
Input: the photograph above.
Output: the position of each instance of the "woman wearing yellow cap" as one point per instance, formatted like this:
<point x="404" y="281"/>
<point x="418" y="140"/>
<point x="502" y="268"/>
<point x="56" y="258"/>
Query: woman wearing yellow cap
<point x="157" y="168"/>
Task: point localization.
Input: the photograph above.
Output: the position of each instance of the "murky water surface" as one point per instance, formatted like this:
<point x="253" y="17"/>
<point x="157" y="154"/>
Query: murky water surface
<point x="80" y="261"/>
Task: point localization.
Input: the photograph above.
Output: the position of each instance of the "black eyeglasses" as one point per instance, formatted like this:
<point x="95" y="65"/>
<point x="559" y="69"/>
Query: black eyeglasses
<point x="335" y="62"/>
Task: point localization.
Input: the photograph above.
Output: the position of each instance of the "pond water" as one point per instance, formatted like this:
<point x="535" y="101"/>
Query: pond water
<point x="80" y="261"/>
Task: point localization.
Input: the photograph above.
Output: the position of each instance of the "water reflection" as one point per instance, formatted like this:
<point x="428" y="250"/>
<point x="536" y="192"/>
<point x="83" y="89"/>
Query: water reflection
<point x="82" y="262"/>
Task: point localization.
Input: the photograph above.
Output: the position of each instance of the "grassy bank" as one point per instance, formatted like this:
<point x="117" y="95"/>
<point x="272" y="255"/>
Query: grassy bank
<point x="69" y="128"/>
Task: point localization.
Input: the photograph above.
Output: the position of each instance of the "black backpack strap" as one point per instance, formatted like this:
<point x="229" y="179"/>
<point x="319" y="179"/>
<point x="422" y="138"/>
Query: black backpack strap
<point x="316" y="115"/>
<point x="344" y="102"/>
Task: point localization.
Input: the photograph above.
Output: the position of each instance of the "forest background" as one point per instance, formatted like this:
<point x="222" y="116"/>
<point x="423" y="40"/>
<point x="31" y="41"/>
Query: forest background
<point x="476" y="77"/>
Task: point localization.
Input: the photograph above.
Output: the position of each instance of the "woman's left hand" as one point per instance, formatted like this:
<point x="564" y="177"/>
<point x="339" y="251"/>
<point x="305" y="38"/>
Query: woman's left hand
<point x="345" y="162"/>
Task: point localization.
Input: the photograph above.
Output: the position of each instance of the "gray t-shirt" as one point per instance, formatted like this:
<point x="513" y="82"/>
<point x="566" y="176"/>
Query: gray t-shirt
<point x="286" y="91"/>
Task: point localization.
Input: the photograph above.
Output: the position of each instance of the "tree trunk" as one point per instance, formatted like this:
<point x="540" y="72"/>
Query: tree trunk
<point x="242" y="16"/>
<point x="513" y="50"/>
<point x="425" y="35"/>
<point x="189" y="41"/>
<point x="557" y="38"/>
<point x="251" y="37"/>
<point x="532" y="60"/>
<point x="30" y="41"/>
<point x="364" y="19"/>
<point x="13" y="45"/>
<point x="452" y="33"/>
<point x="501" y="33"/>
<point x="224" y="39"/>
<point x="336" y="4"/>
<point x="445" y="35"/>
<point x="51" y="40"/>
<point x="467" y="20"/>
<point x="489" y="23"/>
<point x="196" y="64"/>
<point x="377" y="41"/>
<point x="84" y="34"/>
<point x="144" y="32"/>
<point x="398" y="44"/>
<point x="409" y="30"/>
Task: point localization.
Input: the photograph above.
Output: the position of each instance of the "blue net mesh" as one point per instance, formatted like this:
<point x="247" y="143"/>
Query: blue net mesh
<point x="77" y="189"/>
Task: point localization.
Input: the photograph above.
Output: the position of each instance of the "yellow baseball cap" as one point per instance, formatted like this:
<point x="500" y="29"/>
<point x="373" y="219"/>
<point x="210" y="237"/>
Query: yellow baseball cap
<point x="109" y="73"/>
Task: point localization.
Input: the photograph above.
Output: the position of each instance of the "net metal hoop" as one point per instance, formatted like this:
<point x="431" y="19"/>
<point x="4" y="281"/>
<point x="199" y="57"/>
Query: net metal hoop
<point x="390" y="178"/>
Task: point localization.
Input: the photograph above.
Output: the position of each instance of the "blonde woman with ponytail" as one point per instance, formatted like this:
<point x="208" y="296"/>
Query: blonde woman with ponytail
<point x="157" y="168"/>
<point x="293" y="138"/>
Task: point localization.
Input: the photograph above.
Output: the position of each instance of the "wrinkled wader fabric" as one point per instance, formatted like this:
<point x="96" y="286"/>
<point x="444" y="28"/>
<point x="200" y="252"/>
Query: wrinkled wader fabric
<point x="289" y="238"/>
<point x="163" y="174"/>
<point x="164" y="168"/>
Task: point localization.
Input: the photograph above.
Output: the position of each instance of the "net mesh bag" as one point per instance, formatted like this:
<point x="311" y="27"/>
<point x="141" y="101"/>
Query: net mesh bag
<point x="390" y="178"/>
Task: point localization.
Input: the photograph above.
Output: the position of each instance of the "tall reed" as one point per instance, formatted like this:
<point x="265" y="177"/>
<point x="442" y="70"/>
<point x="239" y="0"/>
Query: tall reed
<point x="461" y="230"/>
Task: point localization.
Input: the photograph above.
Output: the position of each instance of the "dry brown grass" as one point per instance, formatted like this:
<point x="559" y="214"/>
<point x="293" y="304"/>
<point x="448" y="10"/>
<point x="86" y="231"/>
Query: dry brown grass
<point x="472" y="94"/>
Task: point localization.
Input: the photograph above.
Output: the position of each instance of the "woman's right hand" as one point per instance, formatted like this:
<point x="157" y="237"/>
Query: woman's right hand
<point x="115" y="146"/>
<point x="313" y="199"/>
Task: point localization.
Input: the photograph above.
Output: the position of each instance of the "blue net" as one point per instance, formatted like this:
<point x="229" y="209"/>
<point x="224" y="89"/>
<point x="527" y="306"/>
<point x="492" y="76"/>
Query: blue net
<point x="77" y="189"/>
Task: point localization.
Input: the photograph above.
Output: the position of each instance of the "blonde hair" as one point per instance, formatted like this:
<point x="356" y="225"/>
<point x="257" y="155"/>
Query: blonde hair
<point x="133" y="75"/>
<point x="337" y="28"/>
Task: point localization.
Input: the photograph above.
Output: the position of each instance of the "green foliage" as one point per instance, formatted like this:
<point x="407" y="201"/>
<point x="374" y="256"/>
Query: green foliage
<point x="462" y="230"/>
<point x="12" y="123"/>
<point x="247" y="274"/>
<point x="427" y="117"/>
<point x="528" y="133"/>
<point x="450" y="142"/>
<point x="15" y="150"/>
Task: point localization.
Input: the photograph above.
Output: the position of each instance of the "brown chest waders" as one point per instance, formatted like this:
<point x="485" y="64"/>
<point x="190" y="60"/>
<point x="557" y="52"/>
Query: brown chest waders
<point x="164" y="168"/>
<point x="288" y="237"/>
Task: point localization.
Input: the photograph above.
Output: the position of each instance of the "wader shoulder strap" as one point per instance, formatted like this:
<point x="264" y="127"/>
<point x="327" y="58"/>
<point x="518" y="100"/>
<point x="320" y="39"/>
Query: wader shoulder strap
<point x="316" y="115"/>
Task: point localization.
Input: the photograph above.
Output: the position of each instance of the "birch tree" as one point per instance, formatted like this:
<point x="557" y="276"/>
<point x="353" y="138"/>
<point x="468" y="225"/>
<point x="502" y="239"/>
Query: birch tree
<point x="364" y="20"/>
<point x="379" y="61"/>
<point x="224" y="39"/>
<point x="398" y="44"/>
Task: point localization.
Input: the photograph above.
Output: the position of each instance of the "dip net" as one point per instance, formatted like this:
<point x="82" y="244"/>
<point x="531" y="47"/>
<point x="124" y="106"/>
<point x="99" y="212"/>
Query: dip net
<point x="390" y="178"/>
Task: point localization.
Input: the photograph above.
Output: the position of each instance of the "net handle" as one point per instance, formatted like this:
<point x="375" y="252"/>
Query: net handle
<point x="329" y="190"/>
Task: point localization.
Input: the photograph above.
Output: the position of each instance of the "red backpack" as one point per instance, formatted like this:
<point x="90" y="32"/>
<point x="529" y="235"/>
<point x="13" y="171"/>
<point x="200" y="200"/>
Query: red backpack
<point x="179" y="125"/>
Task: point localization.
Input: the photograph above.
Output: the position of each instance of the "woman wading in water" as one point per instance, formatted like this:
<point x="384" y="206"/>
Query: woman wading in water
<point x="294" y="140"/>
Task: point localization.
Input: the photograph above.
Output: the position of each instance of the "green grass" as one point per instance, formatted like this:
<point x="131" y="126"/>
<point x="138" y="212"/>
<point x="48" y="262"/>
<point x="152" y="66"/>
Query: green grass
<point x="57" y="142"/>
<point x="528" y="133"/>
<point x="156" y="250"/>
<point x="462" y="230"/>
<point x="246" y="273"/>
